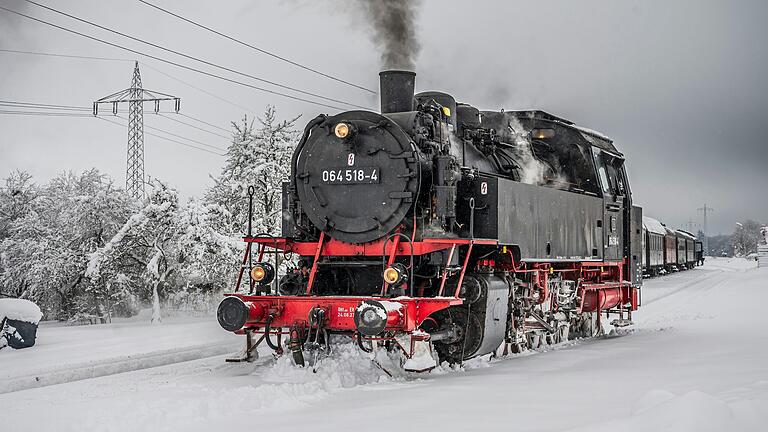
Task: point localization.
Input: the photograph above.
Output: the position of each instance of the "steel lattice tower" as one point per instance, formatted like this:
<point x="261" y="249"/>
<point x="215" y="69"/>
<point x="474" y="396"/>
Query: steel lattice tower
<point x="135" y="96"/>
<point x="134" y="171"/>
<point x="706" y="209"/>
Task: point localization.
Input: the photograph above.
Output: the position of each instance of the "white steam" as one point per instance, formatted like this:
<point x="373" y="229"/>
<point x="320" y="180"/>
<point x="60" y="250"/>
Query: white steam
<point x="532" y="170"/>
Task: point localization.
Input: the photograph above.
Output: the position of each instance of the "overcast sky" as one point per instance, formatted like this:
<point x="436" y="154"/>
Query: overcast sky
<point x="679" y="85"/>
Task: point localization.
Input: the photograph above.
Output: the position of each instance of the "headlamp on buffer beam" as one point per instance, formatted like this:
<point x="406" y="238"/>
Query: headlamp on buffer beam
<point x="395" y="274"/>
<point x="262" y="273"/>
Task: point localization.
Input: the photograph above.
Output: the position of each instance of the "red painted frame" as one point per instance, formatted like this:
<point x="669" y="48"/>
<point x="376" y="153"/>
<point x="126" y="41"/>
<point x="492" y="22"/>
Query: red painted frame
<point x="288" y="311"/>
<point x="602" y="283"/>
<point x="333" y="247"/>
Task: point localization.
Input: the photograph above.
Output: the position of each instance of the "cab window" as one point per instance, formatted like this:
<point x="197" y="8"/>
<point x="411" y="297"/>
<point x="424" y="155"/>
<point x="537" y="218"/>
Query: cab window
<point x="602" y="173"/>
<point x="609" y="171"/>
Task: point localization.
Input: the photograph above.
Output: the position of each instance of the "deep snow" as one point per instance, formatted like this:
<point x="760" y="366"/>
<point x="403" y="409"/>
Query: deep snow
<point x="697" y="360"/>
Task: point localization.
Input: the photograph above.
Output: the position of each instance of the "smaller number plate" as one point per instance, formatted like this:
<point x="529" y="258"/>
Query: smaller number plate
<point x="357" y="175"/>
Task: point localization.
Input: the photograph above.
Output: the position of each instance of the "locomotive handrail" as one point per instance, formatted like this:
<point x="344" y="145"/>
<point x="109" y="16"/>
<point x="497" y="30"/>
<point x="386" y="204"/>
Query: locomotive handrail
<point x="242" y="266"/>
<point x="251" y="193"/>
<point x="318" y="254"/>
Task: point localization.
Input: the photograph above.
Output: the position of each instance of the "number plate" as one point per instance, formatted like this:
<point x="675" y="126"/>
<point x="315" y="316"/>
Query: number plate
<point x="357" y="175"/>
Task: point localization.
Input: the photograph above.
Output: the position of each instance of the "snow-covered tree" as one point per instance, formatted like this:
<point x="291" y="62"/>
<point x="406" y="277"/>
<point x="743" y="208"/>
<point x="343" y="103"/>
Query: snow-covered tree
<point x="47" y="248"/>
<point x="206" y="256"/>
<point x="16" y="199"/>
<point x="260" y="157"/>
<point x="145" y="243"/>
<point x="746" y="237"/>
<point x="84" y="251"/>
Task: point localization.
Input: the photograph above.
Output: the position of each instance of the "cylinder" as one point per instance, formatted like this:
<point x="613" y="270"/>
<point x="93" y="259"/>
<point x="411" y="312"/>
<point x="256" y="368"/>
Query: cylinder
<point x="396" y="90"/>
<point x="598" y="300"/>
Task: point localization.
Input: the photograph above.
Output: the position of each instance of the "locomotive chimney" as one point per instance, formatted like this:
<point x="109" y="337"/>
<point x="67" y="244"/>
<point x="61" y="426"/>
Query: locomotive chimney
<point x="396" y="89"/>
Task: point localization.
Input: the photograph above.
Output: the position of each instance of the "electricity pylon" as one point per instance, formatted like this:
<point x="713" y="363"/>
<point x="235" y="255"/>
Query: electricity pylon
<point x="706" y="209"/>
<point x="690" y="226"/>
<point x="135" y="96"/>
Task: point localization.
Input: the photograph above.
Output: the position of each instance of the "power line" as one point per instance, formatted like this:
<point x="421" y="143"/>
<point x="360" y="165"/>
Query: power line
<point x="32" y="105"/>
<point x="69" y="114"/>
<point x="172" y="62"/>
<point x="176" y="135"/>
<point x="62" y="55"/>
<point x="190" y="57"/>
<point x="261" y="50"/>
<point x="204" y="122"/>
<point x="213" y="95"/>
<point x="44" y="113"/>
<point x="165" y="138"/>
<point x="20" y="104"/>
<point x="183" y="137"/>
<point x="193" y="126"/>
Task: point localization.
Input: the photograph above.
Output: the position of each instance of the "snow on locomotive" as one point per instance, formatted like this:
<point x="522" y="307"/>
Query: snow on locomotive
<point x="444" y="232"/>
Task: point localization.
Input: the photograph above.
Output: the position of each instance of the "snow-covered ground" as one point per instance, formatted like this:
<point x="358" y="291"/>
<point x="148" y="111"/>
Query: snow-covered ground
<point x="69" y="353"/>
<point x="697" y="360"/>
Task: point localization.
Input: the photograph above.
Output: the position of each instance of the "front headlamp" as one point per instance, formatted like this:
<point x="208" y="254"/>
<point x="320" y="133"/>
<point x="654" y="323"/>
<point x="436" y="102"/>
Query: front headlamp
<point x="395" y="274"/>
<point x="262" y="273"/>
<point x="342" y="130"/>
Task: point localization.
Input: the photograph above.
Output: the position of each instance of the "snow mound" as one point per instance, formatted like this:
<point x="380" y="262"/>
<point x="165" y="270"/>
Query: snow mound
<point x="283" y="384"/>
<point x="345" y="367"/>
<point x="652" y="399"/>
<point x="20" y="310"/>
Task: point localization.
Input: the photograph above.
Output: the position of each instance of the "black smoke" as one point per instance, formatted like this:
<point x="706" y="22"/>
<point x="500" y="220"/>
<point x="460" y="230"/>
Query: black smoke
<point x="393" y="25"/>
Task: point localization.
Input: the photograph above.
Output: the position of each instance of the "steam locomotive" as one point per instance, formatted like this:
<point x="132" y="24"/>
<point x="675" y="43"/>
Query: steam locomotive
<point x="442" y="232"/>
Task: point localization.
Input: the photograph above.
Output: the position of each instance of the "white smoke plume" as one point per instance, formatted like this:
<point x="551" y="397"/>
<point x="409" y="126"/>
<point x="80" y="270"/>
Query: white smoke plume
<point x="532" y="171"/>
